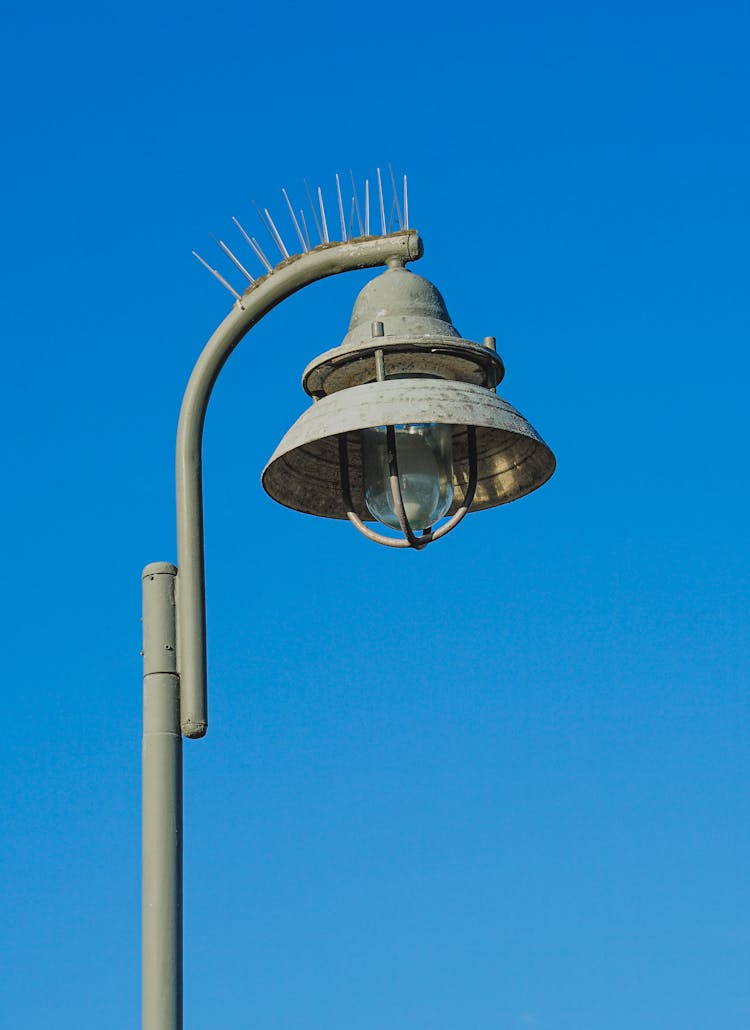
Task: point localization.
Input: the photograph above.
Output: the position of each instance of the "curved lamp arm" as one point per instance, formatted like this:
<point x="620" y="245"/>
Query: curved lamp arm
<point x="286" y="279"/>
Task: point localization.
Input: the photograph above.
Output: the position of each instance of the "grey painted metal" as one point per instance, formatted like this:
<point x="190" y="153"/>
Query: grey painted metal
<point x="442" y="358"/>
<point x="162" y="805"/>
<point x="416" y="335"/>
<point x="512" y="459"/>
<point x="406" y="304"/>
<point x="260" y="298"/>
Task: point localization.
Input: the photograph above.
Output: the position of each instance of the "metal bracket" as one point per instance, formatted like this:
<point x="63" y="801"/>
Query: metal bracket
<point x="261" y="297"/>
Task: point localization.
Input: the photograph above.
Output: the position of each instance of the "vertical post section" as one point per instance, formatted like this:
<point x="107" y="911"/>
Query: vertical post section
<point x="284" y="280"/>
<point x="162" y="804"/>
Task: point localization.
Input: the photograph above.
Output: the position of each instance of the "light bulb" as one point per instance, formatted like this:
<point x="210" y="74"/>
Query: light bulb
<point x="424" y="453"/>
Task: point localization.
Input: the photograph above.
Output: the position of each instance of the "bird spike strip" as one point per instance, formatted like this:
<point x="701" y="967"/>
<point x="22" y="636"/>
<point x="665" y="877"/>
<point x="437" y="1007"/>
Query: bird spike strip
<point x="355" y="227"/>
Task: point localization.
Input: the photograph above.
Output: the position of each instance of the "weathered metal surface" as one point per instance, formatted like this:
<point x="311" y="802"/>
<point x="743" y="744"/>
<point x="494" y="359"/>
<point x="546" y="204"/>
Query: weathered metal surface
<point x="405" y="303"/>
<point x="441" y="357"/>
<point x="512" y="459"/>
<point x="417" y="337"/>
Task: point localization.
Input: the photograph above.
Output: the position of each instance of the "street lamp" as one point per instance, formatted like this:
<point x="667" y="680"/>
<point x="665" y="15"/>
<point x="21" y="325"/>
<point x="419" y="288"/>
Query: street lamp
<point x="405" y="429"/>
<point x="405" y="425"/>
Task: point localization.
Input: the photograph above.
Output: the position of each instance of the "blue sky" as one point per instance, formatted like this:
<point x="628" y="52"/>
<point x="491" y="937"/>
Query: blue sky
<point x="500" y="784"/>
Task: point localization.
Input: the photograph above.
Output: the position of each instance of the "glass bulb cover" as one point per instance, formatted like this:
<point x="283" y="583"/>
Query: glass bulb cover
<point x="424" y="452"/>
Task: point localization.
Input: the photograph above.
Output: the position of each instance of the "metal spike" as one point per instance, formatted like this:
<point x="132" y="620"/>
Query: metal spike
<point x="255" y="247"/>
<point x="351" y="221"/>
<point x="233" y="259"/>
<point x="406" y="204"/>
<point x="367" y="207"/>
<point x="242" y="230"/>
<point x="221" y="278"/>
<point x="261" y="216"/>
<point x="382" y="205"/>
<point x="395" y="197"/>
<point x="390" y="217"/>
<point x="304" y="226"/>
<point x="312" y="208"/>
<point x="300" y="237"/>
<point x="260" y="255"/>
<point x="355" y="198"/>
<point x="323" y="216"/>
<point x="276" y="235"/>
<point x="270" y="229"/>
<point x="344" y="235"/>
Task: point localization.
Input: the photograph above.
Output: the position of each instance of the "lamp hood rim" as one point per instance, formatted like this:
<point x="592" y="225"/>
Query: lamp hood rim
<point x="503" y="430"/>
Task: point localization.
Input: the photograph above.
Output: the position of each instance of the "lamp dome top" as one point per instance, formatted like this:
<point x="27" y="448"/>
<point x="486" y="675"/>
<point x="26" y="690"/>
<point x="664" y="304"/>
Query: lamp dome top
<point x="406" y="304"/>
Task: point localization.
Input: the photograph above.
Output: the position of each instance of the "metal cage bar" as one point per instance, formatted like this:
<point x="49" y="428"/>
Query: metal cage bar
<point x="409" y="539"/>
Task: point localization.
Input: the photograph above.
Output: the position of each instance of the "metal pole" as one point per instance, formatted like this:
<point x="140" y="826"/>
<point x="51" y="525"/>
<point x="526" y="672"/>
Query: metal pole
<point x="162" y="804"/>
<point x="174" y="640"/>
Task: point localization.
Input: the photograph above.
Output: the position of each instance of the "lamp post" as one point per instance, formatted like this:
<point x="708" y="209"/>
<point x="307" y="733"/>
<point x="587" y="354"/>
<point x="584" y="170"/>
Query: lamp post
<point x="405" y="428"/>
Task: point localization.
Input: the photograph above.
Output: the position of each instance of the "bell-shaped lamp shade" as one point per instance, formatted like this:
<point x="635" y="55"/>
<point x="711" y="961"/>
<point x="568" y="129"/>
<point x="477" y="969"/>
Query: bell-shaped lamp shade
<point x="304" y="471"/>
